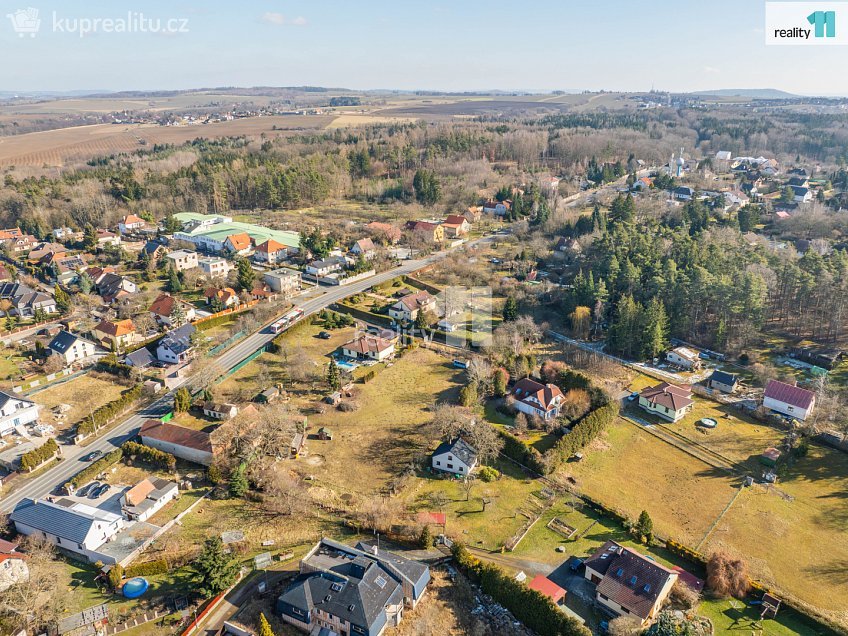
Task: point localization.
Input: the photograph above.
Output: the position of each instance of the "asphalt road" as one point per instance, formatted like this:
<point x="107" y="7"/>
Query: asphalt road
<point x="73" y="456"/>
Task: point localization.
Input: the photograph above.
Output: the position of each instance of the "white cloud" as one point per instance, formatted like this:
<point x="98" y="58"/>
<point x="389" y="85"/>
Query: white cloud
<point x="712" y="70"/>
<point x="299" y="21"/>
<point x="273" y="18"/>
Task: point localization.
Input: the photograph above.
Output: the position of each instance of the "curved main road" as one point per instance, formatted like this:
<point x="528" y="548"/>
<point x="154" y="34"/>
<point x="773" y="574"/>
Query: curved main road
<point x="73" y="455"/>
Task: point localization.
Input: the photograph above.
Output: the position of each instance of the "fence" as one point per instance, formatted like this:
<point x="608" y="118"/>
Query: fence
<point x="218" y="348"/>
<point x="31" y="388"/>
<point x="225" y="312"/>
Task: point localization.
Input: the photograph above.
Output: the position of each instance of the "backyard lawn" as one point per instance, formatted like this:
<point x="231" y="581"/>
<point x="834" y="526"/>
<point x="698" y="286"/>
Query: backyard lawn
<point x="466" y="520"/>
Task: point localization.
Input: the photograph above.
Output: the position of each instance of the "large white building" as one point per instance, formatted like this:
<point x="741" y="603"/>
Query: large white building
<point x="69" y="525"/>
<point x="16" y="411"/>
<point x="789" y="399"/>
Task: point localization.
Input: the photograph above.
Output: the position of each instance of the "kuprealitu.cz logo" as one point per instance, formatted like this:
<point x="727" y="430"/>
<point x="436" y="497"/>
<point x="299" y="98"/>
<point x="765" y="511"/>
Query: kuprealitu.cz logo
<point x="27" y="22"/>
<point x="805" y="23"/>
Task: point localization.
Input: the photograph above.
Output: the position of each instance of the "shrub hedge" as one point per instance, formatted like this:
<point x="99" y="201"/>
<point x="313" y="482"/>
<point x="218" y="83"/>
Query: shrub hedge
<point x="101" y="416"/>
<point x="152" y="456"/>
<point x="91" y="471"/>
<point x="585" y="431"/>
<point x="532" y="608"/>
<point x="37" y="456"/>
<point x="150" y="568"/>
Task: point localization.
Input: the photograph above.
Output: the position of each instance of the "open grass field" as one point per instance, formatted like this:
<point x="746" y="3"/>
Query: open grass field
<point x="68" y="146"/>
<point x="372" y="444"/>
<point x="796" y="540"/>
<point x="631" y="470"/>
<point x="792" y="536"/>
<point x="97" y="391"/>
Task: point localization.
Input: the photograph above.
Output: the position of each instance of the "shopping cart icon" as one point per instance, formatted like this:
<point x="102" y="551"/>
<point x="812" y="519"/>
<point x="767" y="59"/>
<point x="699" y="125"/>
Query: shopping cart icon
<point x="25" y="21"/>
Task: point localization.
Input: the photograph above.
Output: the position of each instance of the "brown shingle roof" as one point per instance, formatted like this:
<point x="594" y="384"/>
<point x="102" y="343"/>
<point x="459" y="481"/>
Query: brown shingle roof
<point x="179" y="435"/>
<point x="139" y="492"/>
<point x="118" y="328"/>
<point x="366" y="344"/>
<point x="545" y="393"/>
<point x="671" y="396"/>
<point x="630" y="579"/>
<point x="163" y="305"/>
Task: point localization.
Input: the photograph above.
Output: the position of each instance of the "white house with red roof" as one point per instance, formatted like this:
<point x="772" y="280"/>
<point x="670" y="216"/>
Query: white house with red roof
<point x="535" y="398"/>
<point x="370" y="347"/>
<point x="13" y="567"/>
<point x="164" y="312"/>
<point x="407" y="308"/>
<point x="238" y="243"/>
<point x="271" y="252"/>
<point x="364" y="247"/>
<point x="668" y="401"/>
<point x="455" y="226"/>
<point x="131" y="223"/>
<point x="789" y="399"/>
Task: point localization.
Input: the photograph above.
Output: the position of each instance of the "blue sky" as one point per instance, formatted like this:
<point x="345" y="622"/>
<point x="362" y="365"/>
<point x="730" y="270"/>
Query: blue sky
<point x="445" y="45"/>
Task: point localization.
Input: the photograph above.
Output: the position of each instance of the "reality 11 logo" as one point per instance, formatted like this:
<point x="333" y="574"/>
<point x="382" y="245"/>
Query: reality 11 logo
<point x="825" y="23"/>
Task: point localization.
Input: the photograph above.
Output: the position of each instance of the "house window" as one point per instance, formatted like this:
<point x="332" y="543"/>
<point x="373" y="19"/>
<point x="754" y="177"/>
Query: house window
<point x="603" y="597"/>
<point x="438" y="463"/>
<point x="450" y="466"/>
<point x="625" y="610"/>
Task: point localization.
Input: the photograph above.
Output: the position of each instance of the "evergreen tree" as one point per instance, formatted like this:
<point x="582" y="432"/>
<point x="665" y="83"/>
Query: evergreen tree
<point x="333" y="376"/>
<point x="468" y="394"/>
<point x="510" y="309"/>
<point x="182" y="400"/>
<point x="655" y="331"/>
<point x="174" y="283"/>
<point x="89" y="238"/>
<point x="215" y="571"/>
<point x="644" y="527"/>
<point x="85" y="283"/>
<point x="428" y="191"/>
<point x="246" y="275"/>
<point x="238" y="482"/>
<point x="63" y="300"/>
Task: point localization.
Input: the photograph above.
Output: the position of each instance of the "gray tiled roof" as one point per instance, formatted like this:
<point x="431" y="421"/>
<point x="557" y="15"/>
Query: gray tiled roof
<point x="461" y="449"/>
<point x="179" y="340"/>
<point x="56" y="520"/>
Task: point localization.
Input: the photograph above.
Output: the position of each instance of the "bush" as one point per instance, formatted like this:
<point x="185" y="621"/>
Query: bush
<point x="348" y="406"/>
<point x="532" y="608"/>
<point x="101" y="416"/>
<point x="110" y="364"/>
<point x="727" y="576"/>
<point x="91" y="471"/>
<point x="368" y="376"/>
<point x="152" y="456"/>
<point x="488" y="474"/>
<point x="115" y="576"/>
<point x="150" y="568"/>
<point x="37" y="456"/>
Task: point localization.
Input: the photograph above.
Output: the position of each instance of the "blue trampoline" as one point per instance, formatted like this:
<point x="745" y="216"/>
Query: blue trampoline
<point x="135" y="587"/>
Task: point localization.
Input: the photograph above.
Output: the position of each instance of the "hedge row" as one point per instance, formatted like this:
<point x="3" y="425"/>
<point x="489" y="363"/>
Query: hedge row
<point x="110" y="364"/>
<point x="90" y="472"/>
<point x="217" y="321"/>
<point x="152" y="456"/>
<point x="585" y="431"/>
<point x="151" y="568"/>
<point x="532" y="608"/>
<point x="520" y="452"/>
<point x="105" y="413"/>
<point x="420" y="284"/>
<point x="367" y="316"/>
<point x="37" y="456"/>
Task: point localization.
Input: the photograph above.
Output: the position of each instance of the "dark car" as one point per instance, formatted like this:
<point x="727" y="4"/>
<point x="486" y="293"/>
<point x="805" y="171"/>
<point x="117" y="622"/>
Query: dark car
<point x="325" y="335"/>
<point x="82" y="492"/>
<point x="97" y="492"/>
<point x="94" y="489"/>
<point x="93" y="455"/>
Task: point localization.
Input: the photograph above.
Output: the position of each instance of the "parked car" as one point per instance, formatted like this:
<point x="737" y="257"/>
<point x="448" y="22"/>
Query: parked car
<point x="94" y="489"/>
<point x="324" y="335"/>
<point x="633" y="396"/>
<point x="93" y="455"/>
<point x="82" y="492"/>
<point x="96" y="494"/>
